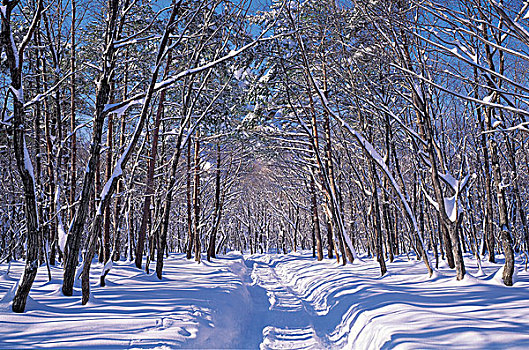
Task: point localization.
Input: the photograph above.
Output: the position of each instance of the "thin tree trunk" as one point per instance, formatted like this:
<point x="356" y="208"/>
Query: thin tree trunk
<point x="377" y="221"/>
<point x="517" y="192"/>
<point x="190" y="231"/>
<point x="196" y="197"/>
<point x="102" y="96"/>
<point x="149" y="184"/>
<point x="130" y="217"/>
<point x="505" y="233"/>
<point x="50" y="230"/>
<point x="119" y="190"/>
<point x="330" y="244"/>
<point x="50" y="169"/>
<point x="315" y="219"/>
<point x="489" y="211"/>
<point x="73" y="137"/>
<point x="385" y="205"/>
<point x="108" y="170"/>
<point x="217" y="210"/>
<point x="24" y="165"/>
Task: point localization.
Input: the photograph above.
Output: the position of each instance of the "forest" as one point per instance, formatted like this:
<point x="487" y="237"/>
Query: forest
<point x="349" y="129"/>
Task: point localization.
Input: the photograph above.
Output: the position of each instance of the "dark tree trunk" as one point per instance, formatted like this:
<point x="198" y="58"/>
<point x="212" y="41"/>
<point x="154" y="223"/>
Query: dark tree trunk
<point x="73" y="137"/>
<point x="190" y="231"/>
<point x="149" y="185"/>
<point x="378" y="222"/>
<point x="315" y="220"/>
<point x="217" y="211"/>
<point x="23" y="161"/>
<point x="119" y="190"/>
<point x="102" y="95"/>
<point x="330" y="244"/>
<point x="505" y="233"/>
<point x="108" y="175"/>
<point x="50" y="185"/>
<point x="196" y="198"/>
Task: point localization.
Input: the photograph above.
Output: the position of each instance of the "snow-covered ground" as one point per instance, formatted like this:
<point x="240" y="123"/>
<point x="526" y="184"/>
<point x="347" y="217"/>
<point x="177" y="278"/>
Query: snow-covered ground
<point x="274" y="301"/>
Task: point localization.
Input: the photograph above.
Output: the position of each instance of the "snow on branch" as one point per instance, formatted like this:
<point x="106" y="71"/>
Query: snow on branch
<point x="177" y="77"/>
<point x="373" y="153"/>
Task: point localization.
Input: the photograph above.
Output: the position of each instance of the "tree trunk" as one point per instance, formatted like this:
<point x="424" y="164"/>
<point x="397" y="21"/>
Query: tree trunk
<point x="517" y="192"/>
<point x="196" y="198"/>
<point x="217" y="210"/>
<point x="505" y="233"/>
<point x="102" y="96"/>
<point x="489" y="211"/>
<point x="377" y="221"/>
<point x="52" y="226"/>
<point x="315" y="219"/>
<point x="149" y="184"/>
<point x="330" y="244"/>
<point x="119" y="190"/>
<point x="73" y="137"/>
<point x="190" y="231"/>
<point x="23" y="161"/>
<point x="108" y="174"/>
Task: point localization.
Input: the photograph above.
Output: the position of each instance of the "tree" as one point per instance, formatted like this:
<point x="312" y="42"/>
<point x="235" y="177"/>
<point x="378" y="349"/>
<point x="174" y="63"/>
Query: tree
<point x="15" y="61"/>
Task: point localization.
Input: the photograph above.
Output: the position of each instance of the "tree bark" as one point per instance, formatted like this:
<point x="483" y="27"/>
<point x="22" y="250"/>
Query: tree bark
<point x="217" y="210"/>
<point x="108" y="174"/>
<point x="119" y="190"/>
<point x="23" y="161"/>
<point x="102" y="97"/>
<point x="196" y="198"/>
<point x="315" y="219"/>
<point x="190" y="231"/>
<point x="73" y="137"/>
<point x="149" y="185"/>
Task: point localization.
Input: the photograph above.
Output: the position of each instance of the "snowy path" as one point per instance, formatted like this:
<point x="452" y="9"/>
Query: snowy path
<point x="280" y="316"/>
<point x="273" y="302"/>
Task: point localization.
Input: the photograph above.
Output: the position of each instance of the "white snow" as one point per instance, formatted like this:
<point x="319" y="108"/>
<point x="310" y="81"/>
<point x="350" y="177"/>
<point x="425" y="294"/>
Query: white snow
<point x="7" y="299"/>
<point x="449" y="179"/>
<point x="27" y="162"/>
<point x="116" y="173"/>
<point x="451" y="207"/>
<point x="274" y="301"/>
<point x="108" y="266"/>
<point x="18" y="93"/>
<point x="488" y="98"/>
<point x="206" y="166"/>
<point x="122" y="109"/>
<point x="266" y="77"/>
<point x="63" y="236"/>
<point x="238" y="74"/>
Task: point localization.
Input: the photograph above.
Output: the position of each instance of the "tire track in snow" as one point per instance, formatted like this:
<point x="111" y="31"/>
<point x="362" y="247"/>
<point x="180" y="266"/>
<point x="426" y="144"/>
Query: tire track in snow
<point x="280" y="319"/>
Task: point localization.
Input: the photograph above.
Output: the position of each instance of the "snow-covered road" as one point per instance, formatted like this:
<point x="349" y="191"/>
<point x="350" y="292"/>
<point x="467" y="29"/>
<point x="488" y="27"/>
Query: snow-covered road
<point x="282" y="318"/>
<point x="273" y="302"/>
